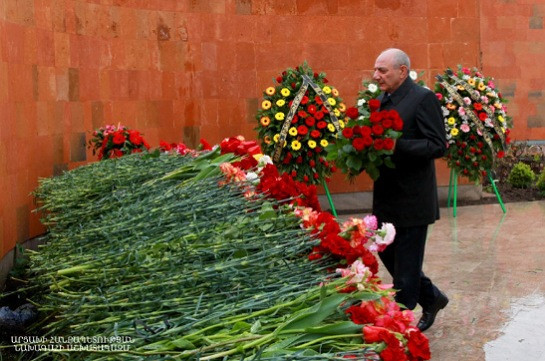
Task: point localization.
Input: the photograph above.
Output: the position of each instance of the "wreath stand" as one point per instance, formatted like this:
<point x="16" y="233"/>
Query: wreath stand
<point x="453" y="191"/>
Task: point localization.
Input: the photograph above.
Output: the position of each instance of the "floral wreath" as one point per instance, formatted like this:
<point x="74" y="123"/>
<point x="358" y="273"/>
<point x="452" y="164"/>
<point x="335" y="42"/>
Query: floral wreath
<point x="476" y="122"/>
<point x="297" y="119"/>
<point x="113" y="141"/>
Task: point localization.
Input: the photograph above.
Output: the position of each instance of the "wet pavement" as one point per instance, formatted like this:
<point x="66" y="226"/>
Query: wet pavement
<point x="492" y="267"/>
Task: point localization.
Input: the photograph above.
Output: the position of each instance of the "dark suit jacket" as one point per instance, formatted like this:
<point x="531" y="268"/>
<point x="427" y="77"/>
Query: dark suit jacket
<point x="407" y="195"/>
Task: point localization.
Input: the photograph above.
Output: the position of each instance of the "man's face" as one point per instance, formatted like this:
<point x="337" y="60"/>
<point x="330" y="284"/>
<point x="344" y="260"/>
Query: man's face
<point x="388" y="77"/>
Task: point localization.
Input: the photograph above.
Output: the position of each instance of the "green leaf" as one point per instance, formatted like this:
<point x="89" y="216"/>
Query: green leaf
<point x="256" y="327"/>
<point x="354" y="162"/>
<point x="315" y="314"/>
<point x="348" y="148"/>
<point x="388" y="162"/>
<point x="338" y="328"/>
<point x="372" y="156"/>
<point x="372" y="171"/>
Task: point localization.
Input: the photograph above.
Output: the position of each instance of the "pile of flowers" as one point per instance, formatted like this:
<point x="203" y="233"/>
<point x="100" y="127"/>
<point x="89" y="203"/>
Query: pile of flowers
<point x="306" y="129"/>
<point x="476" y="122"/>
<point x="368" y="140"/>
<point x="113" y="141"/>
<point x="384" y="324"/>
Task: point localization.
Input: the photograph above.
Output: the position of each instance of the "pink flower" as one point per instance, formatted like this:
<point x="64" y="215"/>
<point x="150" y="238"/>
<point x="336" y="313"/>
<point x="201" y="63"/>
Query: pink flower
<point x="370" y="222"/>
<point x="439" y="96"/>
<point x="464" y="128"/>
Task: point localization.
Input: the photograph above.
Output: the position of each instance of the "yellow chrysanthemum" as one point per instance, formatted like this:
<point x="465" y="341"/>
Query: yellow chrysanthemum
<point x="276" y="138"/>
<point x="292" y="131"/>
<point x="336" y="112"/>
<point x="265" y="121"/>
<point x="461" y="88"/>
<point x="454" y="132"/>
<point x="501" y="118"/>
<point x="335" y="92"/>
<point x="280" y="102"/>
<point x="341" y="124"/>
<point x="331" y="127"/>
<point x="265" y="104"/>
<point x="503" y="129"/>
<point x="451" y="106"/>
<point x="279" y="116"/>
<point x="471" y="82"/>
<point x="481" y="86"/>
<point x="285" y="92"/>
<point x="451" y="121"/>
<point x="342" y="107"/>
<point x="311" y="144"/>
<point x="270" y="91"/>
<point x="295" y="145"/>
<point x="327" y="90"/>
<point x="331" y="101"/>
<point x="324" y="143"/>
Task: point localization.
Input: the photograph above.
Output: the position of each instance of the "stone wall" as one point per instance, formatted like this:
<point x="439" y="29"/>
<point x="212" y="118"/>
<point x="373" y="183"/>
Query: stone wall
<point x="179" y="70"/>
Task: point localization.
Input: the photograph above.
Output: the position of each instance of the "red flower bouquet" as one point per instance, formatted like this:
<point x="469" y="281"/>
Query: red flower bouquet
<point x="368" y="140"/>
<point x="113" y="142"/>
<point x="475" y="121"/>
<point x="301" y="112"/>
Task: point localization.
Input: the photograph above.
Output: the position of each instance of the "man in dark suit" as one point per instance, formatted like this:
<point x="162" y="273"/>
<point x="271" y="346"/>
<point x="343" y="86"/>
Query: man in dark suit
<point x="406" y="195"/>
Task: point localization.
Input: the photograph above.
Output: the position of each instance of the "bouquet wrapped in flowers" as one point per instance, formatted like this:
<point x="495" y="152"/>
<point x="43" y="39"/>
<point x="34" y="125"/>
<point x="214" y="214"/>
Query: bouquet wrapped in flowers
<point x="113" y="142"/>
<point x="476" y="122"/>
<point x="298" y="117"/>
<point x="368" y="140"/>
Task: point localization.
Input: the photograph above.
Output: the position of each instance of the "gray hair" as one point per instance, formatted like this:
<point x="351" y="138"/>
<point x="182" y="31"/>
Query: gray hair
<point x="399" y="56"/>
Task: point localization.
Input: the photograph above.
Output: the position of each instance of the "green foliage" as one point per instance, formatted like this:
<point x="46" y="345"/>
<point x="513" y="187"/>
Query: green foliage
<point x="540" y="183"/>
<point x="521" y="176"/>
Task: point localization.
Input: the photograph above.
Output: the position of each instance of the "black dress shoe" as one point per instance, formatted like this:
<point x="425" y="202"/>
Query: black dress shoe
<point x="428" y="315"/>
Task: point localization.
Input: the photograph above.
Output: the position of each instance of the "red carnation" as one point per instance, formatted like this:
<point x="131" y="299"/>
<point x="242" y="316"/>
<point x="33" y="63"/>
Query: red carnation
<point x="378" y="144"/>
<point x="118" y="138"/>
<point x="375" y="117"/>
<point x="352" y="112"/>
<point x="315" y="134"/>
<point x="418" y="344"/>
<point x="302" y="130"/>
<point x="388" y="143"/>
<point x="477" y="106"/>
<point x="377" y="129"/>
<point x="321" y="124"/>
<point x="367" y="140"/>
<point x="387" y="123"/>
<point x="304" y="100"/>
<point x="365" y="131"/>
<point x="134" y="137"/>
<point x="374" y="104"/>
<point x="398" y="124"/>
<point x="318" y="100"/>
<point x="319" y="115"/>
<point x="501" y="154"/>
<point x="310" y="121"/>
<point x="358" y="144"/>
<point x="311" y="109"/>
<point x="348" y="132"/>
<point x="279" y="79"/>
<point x="302" y="114"/>
<point x="295" y="119"/>
<point x="482" y="116"/>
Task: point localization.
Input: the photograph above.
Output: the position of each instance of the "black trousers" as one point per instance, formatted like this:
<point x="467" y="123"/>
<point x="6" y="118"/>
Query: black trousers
<point x="403" y="259"/>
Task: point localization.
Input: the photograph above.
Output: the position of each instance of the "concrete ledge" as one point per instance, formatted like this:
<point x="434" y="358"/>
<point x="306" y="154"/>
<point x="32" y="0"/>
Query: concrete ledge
<point x="362" y="202"/>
